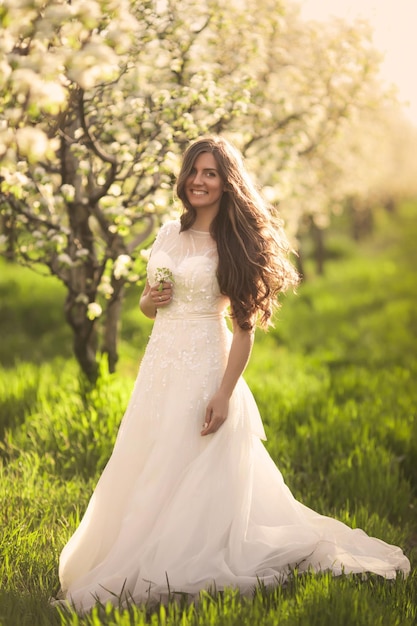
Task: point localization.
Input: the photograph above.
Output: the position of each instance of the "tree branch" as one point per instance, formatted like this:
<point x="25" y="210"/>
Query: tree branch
<point x="103" y="156"/>
<point x="18" y="207"/>
<point x="131" y="246"/>
<point x="281" y="124"/>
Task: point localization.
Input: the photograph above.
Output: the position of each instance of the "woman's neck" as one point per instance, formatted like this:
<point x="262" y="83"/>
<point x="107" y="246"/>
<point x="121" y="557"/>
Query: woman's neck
<point x="202" y="225"/>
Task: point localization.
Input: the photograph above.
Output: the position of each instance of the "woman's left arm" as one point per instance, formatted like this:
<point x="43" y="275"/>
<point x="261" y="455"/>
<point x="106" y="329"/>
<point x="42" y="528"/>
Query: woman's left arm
<point x="240" y="350"/>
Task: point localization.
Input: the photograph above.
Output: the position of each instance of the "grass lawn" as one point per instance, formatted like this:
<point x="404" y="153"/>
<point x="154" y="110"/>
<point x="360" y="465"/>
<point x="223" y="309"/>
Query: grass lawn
<point x="335" y="382"/>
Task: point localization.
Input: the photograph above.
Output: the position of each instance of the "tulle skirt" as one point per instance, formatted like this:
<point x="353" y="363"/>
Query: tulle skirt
<point x="177" y="512"/>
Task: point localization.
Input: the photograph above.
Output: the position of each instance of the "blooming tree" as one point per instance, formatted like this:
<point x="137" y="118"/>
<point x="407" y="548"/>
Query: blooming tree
<point x="316" y="81"/>
<point x="94" y="108"/>
<point x="98" y="99"/>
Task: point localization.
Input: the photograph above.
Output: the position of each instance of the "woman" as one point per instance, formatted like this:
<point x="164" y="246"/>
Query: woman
<point x="190" y="499"/>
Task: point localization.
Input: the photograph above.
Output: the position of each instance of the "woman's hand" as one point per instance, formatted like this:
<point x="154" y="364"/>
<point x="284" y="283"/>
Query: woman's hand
<point x="161" y="294"/>
<point x="218" y="407"/>
<point x="154" y="297"/>
<point x="216" y="413"/>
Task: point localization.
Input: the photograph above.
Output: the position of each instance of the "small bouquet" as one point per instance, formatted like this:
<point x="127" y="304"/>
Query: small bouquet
<point x="163" y="275"/>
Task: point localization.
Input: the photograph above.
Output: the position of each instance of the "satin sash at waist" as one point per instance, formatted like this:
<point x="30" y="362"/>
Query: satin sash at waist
<point x="189" y="316"/>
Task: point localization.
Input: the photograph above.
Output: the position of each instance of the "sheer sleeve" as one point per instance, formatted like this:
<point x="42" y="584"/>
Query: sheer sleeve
<point x="165" y="239"/>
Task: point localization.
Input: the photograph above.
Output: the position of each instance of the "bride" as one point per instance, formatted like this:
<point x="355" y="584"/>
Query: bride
<point x="190" y="498"/>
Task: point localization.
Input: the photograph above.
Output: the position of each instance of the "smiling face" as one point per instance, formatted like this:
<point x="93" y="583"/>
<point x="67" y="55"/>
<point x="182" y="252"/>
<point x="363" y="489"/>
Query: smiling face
<point x="204" y="186"/>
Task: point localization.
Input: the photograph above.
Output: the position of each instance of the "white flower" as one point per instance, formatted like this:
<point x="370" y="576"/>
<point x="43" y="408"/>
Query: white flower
<point x="58" y="239"/>
<point x="94" y="310"/>
<point x="5" y="71"/>
<point x="32" y="142"/>
<point x="121" y="266"/>
<point x="82" y="297"/>
<point x="68" y="192"/>
<point x="145" y="253"/>
<point x="82" y="252"/>
<point x="162" y="275"/>
<point x="115" y="189"/>
<point x="105" y="287"/>
<point x="93" y="64"/>
<point x="49" y="96"/>
<point x="64" y="258"/>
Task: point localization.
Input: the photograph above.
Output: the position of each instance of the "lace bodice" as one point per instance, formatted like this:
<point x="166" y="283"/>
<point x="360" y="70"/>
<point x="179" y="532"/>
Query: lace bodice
<point x="191" y="257"/>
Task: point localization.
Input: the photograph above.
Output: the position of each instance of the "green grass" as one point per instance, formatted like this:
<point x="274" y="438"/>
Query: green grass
<point x="335" y="384"/>
<point x="31" y="317"/>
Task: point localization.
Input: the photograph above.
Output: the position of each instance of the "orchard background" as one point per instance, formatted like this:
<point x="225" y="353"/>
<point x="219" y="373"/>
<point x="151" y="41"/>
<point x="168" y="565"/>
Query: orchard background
<point x="98" y="99"/>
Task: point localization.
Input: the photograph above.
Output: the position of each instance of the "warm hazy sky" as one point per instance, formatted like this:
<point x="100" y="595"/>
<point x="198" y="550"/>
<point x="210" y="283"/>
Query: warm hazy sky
<point x="395" y="34"/>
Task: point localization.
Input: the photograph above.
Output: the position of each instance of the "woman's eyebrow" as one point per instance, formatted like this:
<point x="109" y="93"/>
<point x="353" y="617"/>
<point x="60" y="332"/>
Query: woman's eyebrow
<point x="208" y="169"/>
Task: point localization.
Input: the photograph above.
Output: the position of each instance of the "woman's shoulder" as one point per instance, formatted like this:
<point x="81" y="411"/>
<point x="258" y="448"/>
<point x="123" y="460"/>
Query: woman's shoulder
<point x="169" y="227"/>
<point x="166" y="232"/>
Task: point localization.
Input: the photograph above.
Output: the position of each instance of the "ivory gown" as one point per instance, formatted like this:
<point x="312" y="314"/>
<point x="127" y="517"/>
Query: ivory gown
<point x="198" y="511"/>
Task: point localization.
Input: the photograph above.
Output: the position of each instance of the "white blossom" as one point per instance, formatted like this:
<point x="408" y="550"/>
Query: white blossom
<point x="121" y="266"/>
<point x="64" y="259"/>
<point x="105" y="287"/>
<point x="32" y="143"/>
<point x="94" y="63"/>
<point x="5" y="71"/>
<point x="94" y="310"/>
<point x="115" y="189"/>
<point x="145" y="253"/>
<point x="68" y="192"/>
<point x="82" y="253"/>
<point x="82" y="298"/>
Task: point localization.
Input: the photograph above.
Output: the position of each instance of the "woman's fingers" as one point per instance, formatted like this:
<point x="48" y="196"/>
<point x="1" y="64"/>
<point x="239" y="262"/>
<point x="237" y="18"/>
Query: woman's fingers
<point x="161" y="294"/>
<point x="216" y="413"/>
<point x="207" y="421"/>
<point x="212" y="423"/>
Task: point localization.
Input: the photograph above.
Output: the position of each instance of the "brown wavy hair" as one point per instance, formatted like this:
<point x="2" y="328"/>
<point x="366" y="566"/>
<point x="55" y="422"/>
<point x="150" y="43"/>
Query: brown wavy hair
<point x="253" y="250"/>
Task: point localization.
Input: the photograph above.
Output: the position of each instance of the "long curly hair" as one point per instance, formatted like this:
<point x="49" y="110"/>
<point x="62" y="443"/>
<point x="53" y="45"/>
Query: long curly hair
<point x="253" y="250"/>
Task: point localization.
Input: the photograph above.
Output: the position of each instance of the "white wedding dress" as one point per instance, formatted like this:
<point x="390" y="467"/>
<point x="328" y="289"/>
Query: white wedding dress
<point x="177" y="512"/>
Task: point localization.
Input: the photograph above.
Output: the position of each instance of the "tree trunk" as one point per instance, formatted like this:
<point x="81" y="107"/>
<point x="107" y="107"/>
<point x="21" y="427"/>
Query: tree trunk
<point x="111" y="326"/>
<point x="10" y="234"/>
<point x="319" y="249"/>
<point x="85" y="336"/>
<point x="299" y="261"/>
<point x="83" y="276"/>
<point x="362" y="218"/>
<point x="83" y="281"/>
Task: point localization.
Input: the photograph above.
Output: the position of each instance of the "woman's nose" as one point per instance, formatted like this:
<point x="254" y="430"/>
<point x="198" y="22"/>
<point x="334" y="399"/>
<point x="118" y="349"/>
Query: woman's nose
<point x="198" y="178"/>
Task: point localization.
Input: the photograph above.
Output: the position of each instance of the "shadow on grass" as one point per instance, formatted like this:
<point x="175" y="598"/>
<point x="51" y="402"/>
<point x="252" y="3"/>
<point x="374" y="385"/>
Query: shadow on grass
<point x="26" y="610"/>
<point x="18" y="400"/>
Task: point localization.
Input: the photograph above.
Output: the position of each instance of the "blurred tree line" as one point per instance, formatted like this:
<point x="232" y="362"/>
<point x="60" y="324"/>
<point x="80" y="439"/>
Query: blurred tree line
<point x="99" y="98"/>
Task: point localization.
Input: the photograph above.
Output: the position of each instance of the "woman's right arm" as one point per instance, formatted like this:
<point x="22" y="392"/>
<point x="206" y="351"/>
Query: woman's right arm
<point x="146" y="304"/>
<point x="153" y="297"/>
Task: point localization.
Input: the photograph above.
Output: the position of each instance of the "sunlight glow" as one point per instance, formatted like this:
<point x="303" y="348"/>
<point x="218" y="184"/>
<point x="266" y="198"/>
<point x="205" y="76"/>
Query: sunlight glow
<point x="393" y="23"/>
